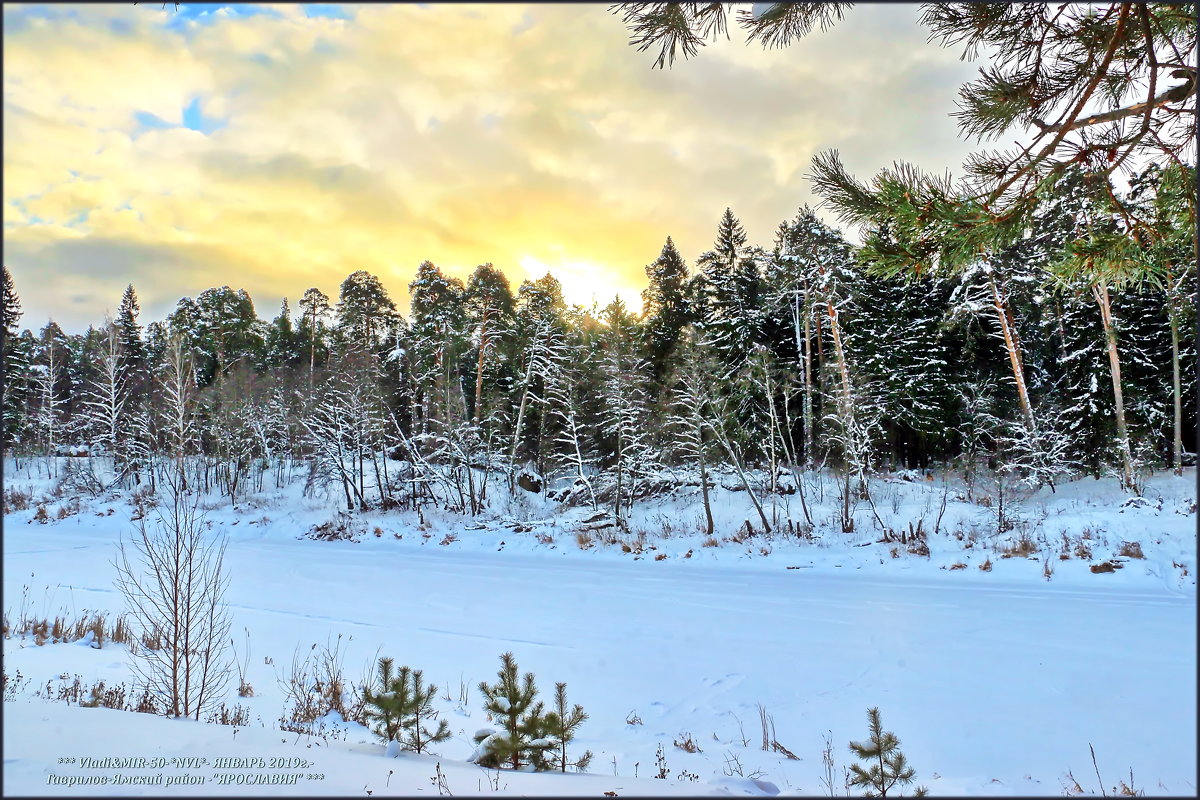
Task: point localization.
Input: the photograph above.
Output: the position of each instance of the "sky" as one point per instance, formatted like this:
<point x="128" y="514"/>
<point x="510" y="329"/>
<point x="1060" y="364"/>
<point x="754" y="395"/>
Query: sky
<point x="280" y="147"/>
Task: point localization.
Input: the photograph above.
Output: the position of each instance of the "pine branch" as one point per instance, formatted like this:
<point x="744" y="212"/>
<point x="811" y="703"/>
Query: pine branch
<point x="1172" y="95"/>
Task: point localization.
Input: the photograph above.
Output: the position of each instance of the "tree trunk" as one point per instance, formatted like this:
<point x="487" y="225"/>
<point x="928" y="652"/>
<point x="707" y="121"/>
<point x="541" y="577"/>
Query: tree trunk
<point x="708" y="517"/>
<point x="804" y="357"/>
<point x="479" y="367"/>
<point x="737" y="465"/>
<point x="1100" y="292"/>
<point x="1013" y="346"/>
<point x="1177" y="396"/>
<point x="512" y="453"/>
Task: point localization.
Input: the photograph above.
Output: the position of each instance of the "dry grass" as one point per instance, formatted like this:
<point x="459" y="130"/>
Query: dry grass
<point x="584" y="540"/>
<point x="449" y="538"/>
<point x="316" y="685"/>
<point x="544" y="538"/>
<point x="1105" y="566"/>
<point x="1023" y="547"/>
<point x="742" y="534"/>
<point x="686" y="743"/>
<point x="986" y="566"/>
<point x="710" y="542"/>
<point x="1132" y="550"/>
<point x="958" y="565"/>
<point x="661" y="557"/>
<point x="63" y="629"/>
<point x="16" y="500"/>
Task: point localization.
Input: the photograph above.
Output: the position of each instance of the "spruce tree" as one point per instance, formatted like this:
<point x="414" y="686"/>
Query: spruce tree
<point x="14" y="364"/>
<point x="280" y="350"/>
<point x="730" y="293"/>
<point x="134" y="362"/>
<point x="885" y="766"/>
<point x="664" y="307"/>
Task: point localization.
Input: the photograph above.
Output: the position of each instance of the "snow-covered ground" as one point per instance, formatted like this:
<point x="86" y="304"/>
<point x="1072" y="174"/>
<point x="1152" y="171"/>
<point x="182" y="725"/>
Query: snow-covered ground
<point x="995" y="681"/>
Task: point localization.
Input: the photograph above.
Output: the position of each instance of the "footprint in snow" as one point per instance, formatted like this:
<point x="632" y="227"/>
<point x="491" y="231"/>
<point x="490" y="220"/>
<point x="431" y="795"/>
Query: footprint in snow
<point x="732" y="679"/>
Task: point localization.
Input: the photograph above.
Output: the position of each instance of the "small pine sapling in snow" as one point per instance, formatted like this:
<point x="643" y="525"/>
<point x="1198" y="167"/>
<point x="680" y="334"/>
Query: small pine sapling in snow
<point x="887" y="766"/>
<point x="383" y="707"/>
<point x="524" y="740"/>
<point x="417" y="711"/>
<point x="404" y="707"/>
<point x="561" y="725"/>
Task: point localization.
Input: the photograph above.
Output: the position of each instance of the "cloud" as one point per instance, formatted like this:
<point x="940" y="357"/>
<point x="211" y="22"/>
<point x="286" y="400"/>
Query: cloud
<point x="275" y="148"/>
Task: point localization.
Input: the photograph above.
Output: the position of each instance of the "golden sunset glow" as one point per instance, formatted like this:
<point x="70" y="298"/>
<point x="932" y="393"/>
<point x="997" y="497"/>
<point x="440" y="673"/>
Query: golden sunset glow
<point x="278" y="147"/>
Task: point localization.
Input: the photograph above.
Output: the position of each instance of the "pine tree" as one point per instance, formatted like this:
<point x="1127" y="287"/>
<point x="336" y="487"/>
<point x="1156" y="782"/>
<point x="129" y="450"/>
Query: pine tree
<point x="523" y="740"/>
<point x="364" y="310"/>
<point x="438" y="339"/>
<point x="383" y="705"/>
<point x="315" y="308"/>
<point x="886" y="766"/>
<point x="560" y="725"/>
<point x="489" y="304"/>
<point x="403" y="706"/>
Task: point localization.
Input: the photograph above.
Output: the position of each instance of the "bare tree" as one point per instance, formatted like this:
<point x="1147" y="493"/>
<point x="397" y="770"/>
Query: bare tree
<point x="173" y="578"/>
<point x="104" y="405"/>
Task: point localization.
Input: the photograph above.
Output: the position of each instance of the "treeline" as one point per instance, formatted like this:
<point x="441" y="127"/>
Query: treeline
<point x="1041" y="360"/>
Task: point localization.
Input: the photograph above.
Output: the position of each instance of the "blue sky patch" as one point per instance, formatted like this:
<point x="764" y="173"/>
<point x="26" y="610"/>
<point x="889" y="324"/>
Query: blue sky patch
<point x="194" y="119"/>
<point x="333" y="10"/>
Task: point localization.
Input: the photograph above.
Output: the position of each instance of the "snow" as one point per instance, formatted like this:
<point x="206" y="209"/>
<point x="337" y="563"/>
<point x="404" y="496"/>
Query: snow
<point x="996" y="682"/>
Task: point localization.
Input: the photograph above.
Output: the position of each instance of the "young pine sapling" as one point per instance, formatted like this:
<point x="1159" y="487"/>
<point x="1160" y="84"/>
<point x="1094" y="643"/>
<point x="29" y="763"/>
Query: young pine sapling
<point x="523" y="741"/>
<point x="561" y="725"/>
<point x="886" y="765"/>
<point x="403" y="707"/>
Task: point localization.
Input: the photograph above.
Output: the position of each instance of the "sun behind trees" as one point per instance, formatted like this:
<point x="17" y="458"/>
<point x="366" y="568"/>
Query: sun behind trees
<point x="1041" y="361"/>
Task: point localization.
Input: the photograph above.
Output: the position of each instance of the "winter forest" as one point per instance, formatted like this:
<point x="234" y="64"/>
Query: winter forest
<point x="897" y="497"/>
<point x="795" y="355"/>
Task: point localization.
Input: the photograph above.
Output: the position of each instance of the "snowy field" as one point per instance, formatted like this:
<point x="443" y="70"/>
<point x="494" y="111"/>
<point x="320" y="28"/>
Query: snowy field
<point x="996" y="681"/>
